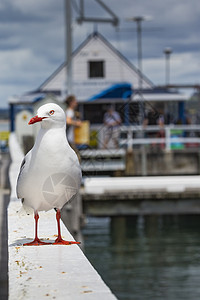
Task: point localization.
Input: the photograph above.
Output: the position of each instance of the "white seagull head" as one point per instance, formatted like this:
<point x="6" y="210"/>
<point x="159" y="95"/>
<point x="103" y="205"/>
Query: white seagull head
<point x="50" y="115"/>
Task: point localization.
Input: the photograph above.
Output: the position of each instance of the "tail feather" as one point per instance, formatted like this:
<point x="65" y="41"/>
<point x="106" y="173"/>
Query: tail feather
<point x="25" y="210"/>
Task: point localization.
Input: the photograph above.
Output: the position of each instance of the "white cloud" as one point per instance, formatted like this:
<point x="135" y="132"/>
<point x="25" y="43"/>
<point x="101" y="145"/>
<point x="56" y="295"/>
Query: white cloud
<point x="21" y="71"/>
<point x="184" y="68"/>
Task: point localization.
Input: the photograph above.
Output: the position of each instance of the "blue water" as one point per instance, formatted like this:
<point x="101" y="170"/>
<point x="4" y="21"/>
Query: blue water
<point x="147" y="258"/>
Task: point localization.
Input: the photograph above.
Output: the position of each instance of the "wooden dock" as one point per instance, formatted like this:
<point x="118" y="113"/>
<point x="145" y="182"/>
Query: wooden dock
<point x="107" y="196"/>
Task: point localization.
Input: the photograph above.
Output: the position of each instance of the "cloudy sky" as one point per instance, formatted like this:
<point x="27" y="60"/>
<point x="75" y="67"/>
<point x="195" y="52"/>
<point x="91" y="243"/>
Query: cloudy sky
<point x="32" y="39"/>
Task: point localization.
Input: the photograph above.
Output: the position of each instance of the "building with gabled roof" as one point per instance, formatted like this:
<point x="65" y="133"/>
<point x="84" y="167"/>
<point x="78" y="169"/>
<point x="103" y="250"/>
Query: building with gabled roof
<point x="96" y="66"/>
<point x="101" y="75"/>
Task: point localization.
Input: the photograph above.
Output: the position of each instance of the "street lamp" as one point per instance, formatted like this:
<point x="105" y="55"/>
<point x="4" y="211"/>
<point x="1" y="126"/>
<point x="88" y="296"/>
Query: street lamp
<point x="138" y="20"/>
<point x="167" y="51"/>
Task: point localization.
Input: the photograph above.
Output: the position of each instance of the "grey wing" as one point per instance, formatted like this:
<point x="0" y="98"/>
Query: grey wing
<point x="20" y="173"/>
<point x="23" y="166"/>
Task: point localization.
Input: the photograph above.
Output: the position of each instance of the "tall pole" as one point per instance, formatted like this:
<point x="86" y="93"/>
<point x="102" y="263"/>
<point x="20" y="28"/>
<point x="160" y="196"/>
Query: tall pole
<point x="138" y="21"/>
<point x="167" y="52"/>
<point x="68" y="39"/>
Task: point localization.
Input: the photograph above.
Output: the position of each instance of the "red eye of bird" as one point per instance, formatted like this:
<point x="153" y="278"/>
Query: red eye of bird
<point x="52" y="112"/>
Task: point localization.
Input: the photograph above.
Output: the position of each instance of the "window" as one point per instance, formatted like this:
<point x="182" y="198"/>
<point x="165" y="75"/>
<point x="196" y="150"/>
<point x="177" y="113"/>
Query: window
<point x="96" y="69"/>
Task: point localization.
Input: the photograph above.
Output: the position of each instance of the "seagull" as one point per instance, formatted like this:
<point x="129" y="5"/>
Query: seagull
<point x="50" y="174"/>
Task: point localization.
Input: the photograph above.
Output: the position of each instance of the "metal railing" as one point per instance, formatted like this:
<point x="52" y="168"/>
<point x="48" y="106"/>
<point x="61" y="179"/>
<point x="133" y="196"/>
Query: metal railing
<point x="169" y="136"/>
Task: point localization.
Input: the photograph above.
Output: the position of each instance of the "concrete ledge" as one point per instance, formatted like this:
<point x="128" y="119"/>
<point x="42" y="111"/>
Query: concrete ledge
<point x="56" y="271"/>
<point x="50" y="271"/>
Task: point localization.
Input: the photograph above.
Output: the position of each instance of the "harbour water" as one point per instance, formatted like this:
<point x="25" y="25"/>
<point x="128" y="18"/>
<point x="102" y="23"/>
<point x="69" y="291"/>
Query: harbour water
<point x="145" y="258"/>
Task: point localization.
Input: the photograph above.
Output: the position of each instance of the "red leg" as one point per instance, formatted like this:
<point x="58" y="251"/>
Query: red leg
<point x="59" y="240"/>
<point x="36" y="241"/>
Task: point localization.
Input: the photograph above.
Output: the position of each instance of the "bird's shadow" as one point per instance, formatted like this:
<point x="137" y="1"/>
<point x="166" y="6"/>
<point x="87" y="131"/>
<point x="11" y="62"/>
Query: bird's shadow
<point x="22" y="241"/>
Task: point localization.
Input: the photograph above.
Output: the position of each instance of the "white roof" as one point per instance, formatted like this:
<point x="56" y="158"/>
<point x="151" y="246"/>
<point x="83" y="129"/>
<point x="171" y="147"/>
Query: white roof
<point x="160" y="97"/>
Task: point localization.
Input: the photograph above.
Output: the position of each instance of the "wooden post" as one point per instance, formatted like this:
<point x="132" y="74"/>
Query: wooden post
<point x="130" y="166"/>
<point x="118" y="228"/>
<point x="143" y="160"/>
<point x="72" y="214"/>
<point x="168" y="159"/>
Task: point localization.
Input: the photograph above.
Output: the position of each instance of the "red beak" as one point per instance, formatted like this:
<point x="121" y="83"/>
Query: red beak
<point x="35" y="120"/>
